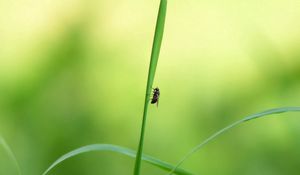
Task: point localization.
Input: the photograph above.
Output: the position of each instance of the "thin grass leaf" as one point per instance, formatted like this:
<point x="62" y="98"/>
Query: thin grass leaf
<point x="117" y="149"/>
<point x="10" y="154"/>
<point x="159" y="30"/>
<point x="222" y="131"/>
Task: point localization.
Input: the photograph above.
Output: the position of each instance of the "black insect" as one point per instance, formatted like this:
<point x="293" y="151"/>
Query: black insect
<point x="155" y="96"/>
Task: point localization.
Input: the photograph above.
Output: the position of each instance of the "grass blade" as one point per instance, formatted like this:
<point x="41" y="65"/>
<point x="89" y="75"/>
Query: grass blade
<point x="10" y="154"/>
<point x="245" y="119"/>
<point x="159" y="30"/>
<point x="117" y="149"/>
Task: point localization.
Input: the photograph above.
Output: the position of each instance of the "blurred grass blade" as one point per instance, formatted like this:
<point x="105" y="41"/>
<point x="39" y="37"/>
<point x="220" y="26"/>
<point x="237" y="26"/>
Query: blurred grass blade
<point x="159" y="30"/>
<point x="245" y="119"/>
<point x="10" y="154"/>
<point x="117" y="149"/>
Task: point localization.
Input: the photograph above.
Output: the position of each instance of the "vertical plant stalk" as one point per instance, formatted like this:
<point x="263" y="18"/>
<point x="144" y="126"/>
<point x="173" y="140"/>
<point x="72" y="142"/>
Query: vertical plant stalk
<point x="159" y="30"/>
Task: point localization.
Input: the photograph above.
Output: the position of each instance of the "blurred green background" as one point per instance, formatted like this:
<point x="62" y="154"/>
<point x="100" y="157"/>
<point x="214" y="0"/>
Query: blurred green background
<point x="73" y="72"/>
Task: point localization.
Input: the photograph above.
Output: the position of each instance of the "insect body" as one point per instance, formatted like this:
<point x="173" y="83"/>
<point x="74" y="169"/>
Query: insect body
<point x="155" y="96"/>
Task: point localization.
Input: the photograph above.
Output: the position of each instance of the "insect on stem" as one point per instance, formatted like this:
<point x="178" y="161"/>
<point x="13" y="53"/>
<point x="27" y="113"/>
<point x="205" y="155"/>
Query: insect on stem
<point x="155" y="96"/>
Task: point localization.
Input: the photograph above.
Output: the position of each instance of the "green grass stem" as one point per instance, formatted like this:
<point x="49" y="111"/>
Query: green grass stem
<point x="222" y="131"/>
<point x="117" y="149"/>
<point x="152" y="68"/>
<point x="10" y="154"/>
